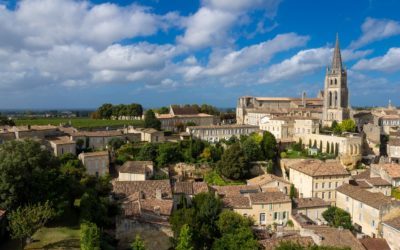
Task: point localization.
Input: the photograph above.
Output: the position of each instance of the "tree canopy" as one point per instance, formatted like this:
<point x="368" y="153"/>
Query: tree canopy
<point x="151" y="121"/>
<point x="269" y="146"/>
<point x="233" y="163"/>
<point x="338" y="217"/>
<point x="107" y="110"/>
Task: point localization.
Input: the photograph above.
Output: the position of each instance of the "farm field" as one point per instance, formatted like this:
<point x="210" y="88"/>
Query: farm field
<point x="77" y="122"/>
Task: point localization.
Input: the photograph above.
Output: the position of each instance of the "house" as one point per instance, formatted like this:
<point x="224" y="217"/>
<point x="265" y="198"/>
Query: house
<point x="62" y="145"/>
<point x="181" y="116"/>
<point x="311" y="207"/>
<point x="387" y="171"/>
<point x="36" y="131"/>
<point x="97" y="140"/>
<point x="148" y="134"/>
<point x="393" y="149"/>
<point x="186" y="190"/>
<point x="265" y="208"/>
<point x="372" y="184"/>
<point x="215" y="133"/>
<point x="391" y="232"/>
<point x="267" y="181"/>
<point x="366" y="208"/>
<point x="146" y="207"/>
<point x="96" y="163"/>
<point x="136" y="171"/>
<point x="314" y="178"/>
<point x="332" y="237"/>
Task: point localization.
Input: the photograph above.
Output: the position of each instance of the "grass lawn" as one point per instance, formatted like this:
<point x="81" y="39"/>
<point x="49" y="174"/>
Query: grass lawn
<point x="55" y="238"/>
<point x="213" y="178"/>
<point x="77" y="122"/>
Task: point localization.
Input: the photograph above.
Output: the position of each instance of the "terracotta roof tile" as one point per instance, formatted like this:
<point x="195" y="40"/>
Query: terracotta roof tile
<point x="148" y="188"/>
<point x="269" y="197"/>
<point x="310" y="202"/>
<point x="392" y="169"/>
<point x="336" y="237"/>
<point x="320" y="168"/>
<point x="395" y="223"/>
<point x="135" y="167"/>
<point x="375" y="244"/>
<point x="235" y="190"/>
<point x="237" y="202"/>
<point x="374" y="200"/>
<point x="265" y="179"/>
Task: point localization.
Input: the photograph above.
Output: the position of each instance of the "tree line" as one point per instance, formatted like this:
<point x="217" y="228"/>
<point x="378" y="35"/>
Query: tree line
<point x="108" y="111"/>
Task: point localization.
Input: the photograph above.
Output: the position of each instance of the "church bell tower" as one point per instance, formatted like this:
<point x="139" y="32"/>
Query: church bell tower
<point x="336" y="93"/>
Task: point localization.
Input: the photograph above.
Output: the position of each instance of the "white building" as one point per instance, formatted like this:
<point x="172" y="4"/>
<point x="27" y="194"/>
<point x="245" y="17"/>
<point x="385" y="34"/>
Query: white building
<point x="96" y="163"/>
<point x="216" y="133"/>
<point x="135" y="171"/>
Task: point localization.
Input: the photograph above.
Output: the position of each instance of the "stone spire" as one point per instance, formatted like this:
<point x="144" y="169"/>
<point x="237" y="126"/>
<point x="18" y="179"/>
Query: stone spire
<point x="337" y="58"/>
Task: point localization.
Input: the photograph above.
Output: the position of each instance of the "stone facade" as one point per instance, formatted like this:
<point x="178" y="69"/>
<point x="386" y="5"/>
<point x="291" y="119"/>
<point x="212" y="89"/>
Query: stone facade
<point x="218" y="132"/>
<point x="96" y="163"/>
<point x="97" y="140"/>
<point x="136" y="171"/>
<point x="348" y="147"/>
<point x="147" y="134"/>
<point x="366" y="208"/>
<point x="391" y="232"/>
<point x="318" y="179"/>
<point x="62" y="145"/>
<point x="336" y="94"/>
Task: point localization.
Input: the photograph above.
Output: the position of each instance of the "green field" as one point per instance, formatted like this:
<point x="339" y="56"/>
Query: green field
<point x="77" y="122"/>
<point x="55" y="238"/>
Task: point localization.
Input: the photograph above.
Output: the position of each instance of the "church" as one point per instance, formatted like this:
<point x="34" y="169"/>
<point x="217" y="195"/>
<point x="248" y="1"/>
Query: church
<point x="331" y="104"/>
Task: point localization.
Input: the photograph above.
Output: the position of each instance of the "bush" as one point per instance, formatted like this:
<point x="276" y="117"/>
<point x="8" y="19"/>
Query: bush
<point x="90" y="236"/>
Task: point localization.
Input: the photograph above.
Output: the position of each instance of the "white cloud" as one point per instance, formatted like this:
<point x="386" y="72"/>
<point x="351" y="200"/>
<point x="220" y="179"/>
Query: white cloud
<point x="305" y="62"/>
<point x="375" y="30"/>
<point x="255" y="54"/>
<point x="133" y="57"/>
<point x="211" y="24"/>
<point x="390" y="62"/>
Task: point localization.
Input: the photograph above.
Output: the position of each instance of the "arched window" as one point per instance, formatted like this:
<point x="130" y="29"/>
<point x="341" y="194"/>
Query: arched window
<point x="335" y="81"/>
<point x="331" y="81"/>
<point x="336" y="99"/>
<point x="330" y="99"/>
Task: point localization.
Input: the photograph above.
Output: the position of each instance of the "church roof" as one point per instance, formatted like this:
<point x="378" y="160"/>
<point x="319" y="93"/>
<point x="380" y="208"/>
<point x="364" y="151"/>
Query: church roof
<point x="337" y="57"/>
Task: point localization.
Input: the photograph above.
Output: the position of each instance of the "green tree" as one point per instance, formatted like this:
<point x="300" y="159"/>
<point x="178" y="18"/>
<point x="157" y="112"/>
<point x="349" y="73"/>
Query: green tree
<point x="105" y="111"/>
<point x="242" y="238"/>
<point x="4" y="121"/>
<point x="148" y="152"/>
<point x="229" y="221"/>
<point x="26" y="220"/>
<point x="90" y="236"/>
<point x="348" y="125"/>
<point x="151" y="121"/>
<point x="185" y="239"/>
<point x="292" y="193"/>
<point x="269" y="146"/>
<point x="233" y="163"/>
<point x="168" y="153"/>
<point x="252" y="149"/>
<point x="163" y="110"/>
<point x="338" y="217"/>
<point x="115" y="143"/>
<point x="28" y="175"/>
<point x="138" y="244"/>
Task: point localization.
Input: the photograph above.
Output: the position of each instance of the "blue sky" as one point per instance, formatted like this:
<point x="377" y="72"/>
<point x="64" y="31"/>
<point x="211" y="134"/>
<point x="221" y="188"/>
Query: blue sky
<point x="80" y="54"/>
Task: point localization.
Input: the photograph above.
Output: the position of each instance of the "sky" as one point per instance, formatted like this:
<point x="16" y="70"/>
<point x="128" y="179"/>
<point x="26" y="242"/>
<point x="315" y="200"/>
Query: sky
<point x="80" y="54"/>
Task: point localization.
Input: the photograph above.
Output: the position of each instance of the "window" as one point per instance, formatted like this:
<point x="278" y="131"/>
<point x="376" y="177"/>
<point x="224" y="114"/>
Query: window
<point x="323" y="185"/>
<point x="347" y="198"/>
<point x="373" y="223"/>
<point x="316" y="185"/>
<point x="323" y="195"/>
<point x="270" y="206"/>
<point x="336" y="185"/>
<point x="262" y="206"/>
<point x="275" y="216"/>
<point x="284" y="215"/>
<point x="262" y="218"/>
<point x="360" y="205"/>
<point x="329" y="195"/>
<point x="329" y="185"/>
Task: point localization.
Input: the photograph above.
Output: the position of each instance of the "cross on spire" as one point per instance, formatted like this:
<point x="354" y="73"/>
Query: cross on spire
<point x="337" y="57"/>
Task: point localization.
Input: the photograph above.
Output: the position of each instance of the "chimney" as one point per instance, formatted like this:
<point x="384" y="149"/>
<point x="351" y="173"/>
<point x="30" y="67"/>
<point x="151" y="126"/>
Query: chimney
<point x="303" y="99"/>
<point x="158" y="194"/>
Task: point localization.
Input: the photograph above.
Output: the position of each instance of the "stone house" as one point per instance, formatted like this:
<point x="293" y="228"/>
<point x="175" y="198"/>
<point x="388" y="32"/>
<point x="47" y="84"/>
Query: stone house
<point x="136" y="171"/>
<point x="314" y="178"/>
<point x="62" y="145"/>
<point x="393" y="149"/>
<point x="36" y="131"/>
<point x="268" y="181"/>
<point x="265" y="208"/>
<point x="366" y="208"/>
<point x="387" y="171"/>
<point x="183" y="115"/>
<point x="146" y="207"/>
<point x="96" y="163"/>
<point x="97" y="140"/>
<point x="148" y="134"/>
<point x="371" y="183"/>
<point x="215" y="133"/>
<point x="311" y="207"/>
<point x="391" y="232"/>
